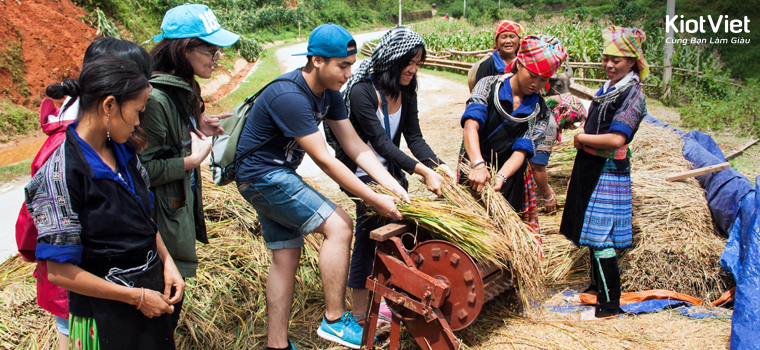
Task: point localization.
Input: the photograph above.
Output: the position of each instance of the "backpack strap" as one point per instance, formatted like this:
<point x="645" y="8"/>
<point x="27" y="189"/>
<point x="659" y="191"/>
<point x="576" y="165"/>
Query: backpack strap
<point x="187" y="141"/>
<point x="252" y="99"/>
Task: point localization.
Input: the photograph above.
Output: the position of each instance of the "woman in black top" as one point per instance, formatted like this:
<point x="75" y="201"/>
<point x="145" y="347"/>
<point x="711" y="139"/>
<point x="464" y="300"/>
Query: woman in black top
<point x="506" y="120"/>
<point x="381" y="101"/>
<point x="91" y="205"/>
<point x="506" y="42"/>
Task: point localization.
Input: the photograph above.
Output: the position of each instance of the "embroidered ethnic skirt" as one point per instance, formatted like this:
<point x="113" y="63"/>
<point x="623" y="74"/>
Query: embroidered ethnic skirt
<point x="529" y="212"/>
<point x="598" y="211"/>
<point x="607" y="221"/>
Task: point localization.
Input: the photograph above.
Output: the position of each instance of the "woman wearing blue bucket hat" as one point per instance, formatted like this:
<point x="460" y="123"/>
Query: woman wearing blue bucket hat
<point x="179" y="131"/>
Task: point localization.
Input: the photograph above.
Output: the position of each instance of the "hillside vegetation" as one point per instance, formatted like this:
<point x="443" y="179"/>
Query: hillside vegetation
<point x="577" y="22"/>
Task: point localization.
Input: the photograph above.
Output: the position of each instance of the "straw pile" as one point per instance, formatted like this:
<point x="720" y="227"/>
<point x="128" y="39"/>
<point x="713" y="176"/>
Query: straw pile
<point x="25" y="325"/>
<point x="676" y="245"/>
<point x="225" y="304"/>
<point x="486" y="227"/>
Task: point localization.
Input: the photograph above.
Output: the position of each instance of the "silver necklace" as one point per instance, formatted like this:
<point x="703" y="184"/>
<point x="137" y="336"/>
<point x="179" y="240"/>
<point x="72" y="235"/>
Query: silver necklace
<point x="531" y="118"/>
<point x="500" y="109"/>
<point x="606" y="99"/>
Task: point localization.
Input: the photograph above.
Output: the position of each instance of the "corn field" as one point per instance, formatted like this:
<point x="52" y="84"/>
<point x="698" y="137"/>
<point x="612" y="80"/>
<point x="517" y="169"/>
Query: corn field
<point x="582" y="40"/>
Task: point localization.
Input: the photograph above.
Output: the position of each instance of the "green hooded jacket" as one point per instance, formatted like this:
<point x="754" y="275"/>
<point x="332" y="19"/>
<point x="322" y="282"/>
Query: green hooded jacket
<point x="178" y="213"/>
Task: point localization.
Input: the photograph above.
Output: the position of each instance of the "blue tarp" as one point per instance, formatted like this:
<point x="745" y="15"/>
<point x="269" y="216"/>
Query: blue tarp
<point x="745" y="325"/>
<point x="735" y="209"/>
<point x="681" y="307"/>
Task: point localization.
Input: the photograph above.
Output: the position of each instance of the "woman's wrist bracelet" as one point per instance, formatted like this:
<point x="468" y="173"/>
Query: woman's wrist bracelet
<point x="477" y="162"/>
<point x="502" y="176"/>
<point x="142" y="297"/>
<point x="550" y="198"/>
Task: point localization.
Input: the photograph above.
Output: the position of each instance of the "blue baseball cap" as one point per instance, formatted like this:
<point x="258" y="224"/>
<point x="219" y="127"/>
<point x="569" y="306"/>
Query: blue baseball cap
<point x="329" y="40"/>
<point x="195" y="21"/>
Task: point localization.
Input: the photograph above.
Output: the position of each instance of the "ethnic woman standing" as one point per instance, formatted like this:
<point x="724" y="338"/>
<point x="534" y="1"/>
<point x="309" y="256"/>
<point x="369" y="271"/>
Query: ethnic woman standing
<point x="598" y="211"/>
<point x="507" y="37"/>
<point x="91" y="205"/>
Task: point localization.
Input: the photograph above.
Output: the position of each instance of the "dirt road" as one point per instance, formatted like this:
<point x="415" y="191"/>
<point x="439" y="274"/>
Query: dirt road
<point x="440" y="103"/>
<point x="288" y="62"/>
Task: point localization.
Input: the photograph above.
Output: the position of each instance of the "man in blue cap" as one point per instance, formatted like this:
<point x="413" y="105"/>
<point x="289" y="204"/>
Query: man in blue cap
<point x="285" y="119"/>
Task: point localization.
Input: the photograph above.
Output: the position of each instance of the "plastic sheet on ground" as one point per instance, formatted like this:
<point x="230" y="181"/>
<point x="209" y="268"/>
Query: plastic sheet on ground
<point x="745" y="328"/>
<point x="735" y="209"/>
<point x="682" y="307"/>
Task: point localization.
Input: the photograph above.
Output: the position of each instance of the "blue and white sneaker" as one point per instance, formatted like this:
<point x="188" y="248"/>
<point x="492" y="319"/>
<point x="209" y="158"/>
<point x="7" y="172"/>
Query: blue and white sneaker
<point x="290" y="346"/>
<point x="345" y="331"/>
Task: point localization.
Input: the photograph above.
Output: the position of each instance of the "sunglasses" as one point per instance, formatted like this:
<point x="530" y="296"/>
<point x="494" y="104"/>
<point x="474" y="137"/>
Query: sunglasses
<point x="214" y="54"/>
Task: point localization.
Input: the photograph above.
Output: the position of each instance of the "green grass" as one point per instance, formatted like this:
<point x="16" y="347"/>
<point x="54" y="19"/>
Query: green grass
<point x="267" y="69"/>
<point x="15" y="120"/>
<point x="748" y="163"/>
<point x="14" y="171"/>
<point x="12" y="60"/>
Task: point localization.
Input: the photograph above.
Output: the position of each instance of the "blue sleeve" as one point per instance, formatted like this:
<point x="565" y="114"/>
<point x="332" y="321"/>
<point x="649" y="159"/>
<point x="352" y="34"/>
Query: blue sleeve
<point x="523" y="144"/>
<point x="621" y="127"/>
<point x="540" y="158"/>
<point x="67" y="253"/>
<point x="291" y="111"/>
<point x="475" y="111"/>
<point x="337" y="109"/>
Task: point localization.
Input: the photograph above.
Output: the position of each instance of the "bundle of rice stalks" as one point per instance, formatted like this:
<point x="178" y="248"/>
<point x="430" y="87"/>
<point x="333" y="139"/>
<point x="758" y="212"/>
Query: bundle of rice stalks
<point x="676" y="245"/>
<point x="486" y="227"/>
<point x="563" y="156"/>
<point x="564" y="263"/>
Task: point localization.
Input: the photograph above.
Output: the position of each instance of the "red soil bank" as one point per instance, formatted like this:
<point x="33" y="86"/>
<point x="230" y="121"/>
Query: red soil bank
<point x="53" y="38"/>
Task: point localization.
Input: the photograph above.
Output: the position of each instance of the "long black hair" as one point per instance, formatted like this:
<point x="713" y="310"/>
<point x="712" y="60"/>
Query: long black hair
<point x="387" y="81"/>
<point x="169" y="56"/>
<point x="108" y="75"/>
<point x="122" y="48"/>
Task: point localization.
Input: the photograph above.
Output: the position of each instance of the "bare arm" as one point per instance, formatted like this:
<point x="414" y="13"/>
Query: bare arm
<point x="478" y="175"/>
<point x="172" y="277"/>
<point x="542" y="180"/>
<point x="612" y="140"/>
<point x="77" y="280"/>
<point x="315" y="147"/>
<point x="511" y="166"/>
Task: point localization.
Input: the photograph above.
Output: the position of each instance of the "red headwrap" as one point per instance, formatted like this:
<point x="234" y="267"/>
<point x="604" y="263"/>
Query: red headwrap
<point x="508" y="26"/>
<point x="541" y="54"/>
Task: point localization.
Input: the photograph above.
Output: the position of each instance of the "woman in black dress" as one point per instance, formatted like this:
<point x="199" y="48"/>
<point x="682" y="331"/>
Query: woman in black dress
<point x="91" y="205"/>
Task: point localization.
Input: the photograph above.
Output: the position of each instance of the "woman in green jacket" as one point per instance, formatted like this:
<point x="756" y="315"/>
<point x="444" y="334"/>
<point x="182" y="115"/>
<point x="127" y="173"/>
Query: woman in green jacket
<point x="178" y="130"/>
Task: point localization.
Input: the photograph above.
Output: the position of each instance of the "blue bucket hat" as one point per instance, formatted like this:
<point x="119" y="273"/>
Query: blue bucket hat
<point x="195" y="21"/>
<point x="329" y="40"/>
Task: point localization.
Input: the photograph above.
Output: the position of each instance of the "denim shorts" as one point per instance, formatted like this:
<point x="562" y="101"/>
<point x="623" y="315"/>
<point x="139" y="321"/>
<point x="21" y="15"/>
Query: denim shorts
<point x="287" y="207"/>
<point x="62" y="324"/>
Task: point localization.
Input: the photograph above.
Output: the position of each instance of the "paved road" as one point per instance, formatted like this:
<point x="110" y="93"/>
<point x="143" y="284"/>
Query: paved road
<point x="11" y="198"/>
<point x="288" y="62"/>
